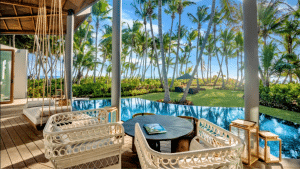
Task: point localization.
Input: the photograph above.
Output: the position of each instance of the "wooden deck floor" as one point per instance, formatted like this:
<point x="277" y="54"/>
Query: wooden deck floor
<point x="22" y="147"/>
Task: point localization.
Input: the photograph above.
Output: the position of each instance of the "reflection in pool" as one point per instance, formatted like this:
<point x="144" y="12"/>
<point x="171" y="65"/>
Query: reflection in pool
<point x="222" y="116"/>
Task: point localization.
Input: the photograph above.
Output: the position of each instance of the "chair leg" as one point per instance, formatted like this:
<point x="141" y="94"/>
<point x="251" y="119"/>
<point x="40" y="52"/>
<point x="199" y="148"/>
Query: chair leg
<point x="133" y="146"/>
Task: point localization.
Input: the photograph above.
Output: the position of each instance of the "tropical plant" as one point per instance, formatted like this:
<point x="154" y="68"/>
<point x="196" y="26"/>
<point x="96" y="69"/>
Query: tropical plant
<point x="181" y="5"/>
<point x="100" y="12"/>
<point x="183" y="99"/>
<point x="201" y="16"/>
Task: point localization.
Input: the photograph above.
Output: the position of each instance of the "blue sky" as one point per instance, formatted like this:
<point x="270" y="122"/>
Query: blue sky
<point x="129" y="16"/>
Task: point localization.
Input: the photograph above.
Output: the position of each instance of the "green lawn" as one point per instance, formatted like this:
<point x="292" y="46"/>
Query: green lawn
<point x="225" y="98"/>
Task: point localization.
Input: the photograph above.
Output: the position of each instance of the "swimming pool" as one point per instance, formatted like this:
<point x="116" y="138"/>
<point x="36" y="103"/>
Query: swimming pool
<point x="222" y="116"/>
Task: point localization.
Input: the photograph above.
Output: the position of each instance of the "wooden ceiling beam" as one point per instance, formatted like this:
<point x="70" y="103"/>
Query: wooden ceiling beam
<point x="18" y="18"/>
<point x="27" y="5"/>
<point x="25" y="16"/>
<point x="32" y="19"/>
<point x="5" y="24"/>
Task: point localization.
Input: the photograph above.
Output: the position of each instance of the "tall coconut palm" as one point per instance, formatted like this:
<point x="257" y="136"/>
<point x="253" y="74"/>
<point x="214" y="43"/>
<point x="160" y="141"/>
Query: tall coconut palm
<point x="164" y="72"/>
<point x="151" y="15"/>
<point x="183" y="99"/>
<point x="268" y="21"/>
<point x="181" y="5"/>
<point x="201" y="16"/>
<point x="132" y="32"/>
<point x="290" y="31"/>
<point x="239" y="44"/>
<point x="171" y="10"/>
<point x="209" y="48"/>
<point x="267" y="59"/>
<point x="217" y="20"/>
<point x="141" y="12"/>
<point x="227" y="37"/>
<point x="100" y="11"/>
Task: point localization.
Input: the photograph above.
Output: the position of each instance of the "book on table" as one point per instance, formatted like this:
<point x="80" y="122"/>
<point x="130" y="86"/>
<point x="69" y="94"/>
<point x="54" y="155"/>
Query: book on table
<point x="154" y="128"/>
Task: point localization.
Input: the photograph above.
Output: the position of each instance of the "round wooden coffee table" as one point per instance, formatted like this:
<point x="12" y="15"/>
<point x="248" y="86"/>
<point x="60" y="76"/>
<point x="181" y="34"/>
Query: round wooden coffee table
<point x="176" y="127"/>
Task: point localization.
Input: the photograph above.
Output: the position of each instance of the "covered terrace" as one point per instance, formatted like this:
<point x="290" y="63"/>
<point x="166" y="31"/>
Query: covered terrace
<point x="22" y="146"/>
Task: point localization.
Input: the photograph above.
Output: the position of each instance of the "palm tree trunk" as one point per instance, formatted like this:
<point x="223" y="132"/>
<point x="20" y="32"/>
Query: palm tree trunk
<point x="237" y="69"/>
<point x="155" y="50"/>
<point x="95" y="68"/>
<point x="278" y="79"/>
<point x="166" y="85"/>
<point x="226" y="61"/>
<point x="285" y="79"/>
<point x="183" y="99"/>
<point x="197" y="52"/>
<point x="207" y="71"/>
<point x="171" y="31"/>
<point x="177" y="53"/>
<point x="103" y="63"/>
<point x="210" y="67"/>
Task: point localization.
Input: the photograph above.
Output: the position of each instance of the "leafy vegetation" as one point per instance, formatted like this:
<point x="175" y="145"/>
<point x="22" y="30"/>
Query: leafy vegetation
<point x="283" y="96"/>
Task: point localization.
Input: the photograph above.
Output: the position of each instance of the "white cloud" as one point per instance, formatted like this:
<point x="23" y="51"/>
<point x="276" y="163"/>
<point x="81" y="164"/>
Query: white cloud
<point x="126" y="17"/>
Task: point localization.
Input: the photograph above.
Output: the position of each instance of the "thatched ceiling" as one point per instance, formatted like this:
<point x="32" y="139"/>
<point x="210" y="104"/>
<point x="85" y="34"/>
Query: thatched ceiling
<point x="20" y="16"/>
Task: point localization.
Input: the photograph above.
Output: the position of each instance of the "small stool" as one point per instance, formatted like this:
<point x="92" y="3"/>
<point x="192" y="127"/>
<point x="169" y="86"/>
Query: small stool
<point x="264" y="153"/>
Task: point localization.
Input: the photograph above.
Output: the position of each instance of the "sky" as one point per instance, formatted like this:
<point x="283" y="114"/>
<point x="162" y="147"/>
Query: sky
<point x="129" y="16"/>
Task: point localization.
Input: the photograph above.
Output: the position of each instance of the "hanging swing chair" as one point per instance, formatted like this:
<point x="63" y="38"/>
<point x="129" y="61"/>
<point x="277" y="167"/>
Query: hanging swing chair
<point x="53" y="100"/>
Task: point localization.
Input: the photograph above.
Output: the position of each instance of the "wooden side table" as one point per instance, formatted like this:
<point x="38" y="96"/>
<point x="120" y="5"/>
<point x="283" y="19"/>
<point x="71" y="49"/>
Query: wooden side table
<point x="248" y="131"/>
<point x="265" y="154"/>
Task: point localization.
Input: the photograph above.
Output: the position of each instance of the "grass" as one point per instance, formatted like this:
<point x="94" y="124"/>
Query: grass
<point x="225" y="98"/>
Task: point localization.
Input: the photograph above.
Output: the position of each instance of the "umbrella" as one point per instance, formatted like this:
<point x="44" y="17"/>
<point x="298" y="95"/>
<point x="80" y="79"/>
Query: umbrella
<point x="185" y="76"/>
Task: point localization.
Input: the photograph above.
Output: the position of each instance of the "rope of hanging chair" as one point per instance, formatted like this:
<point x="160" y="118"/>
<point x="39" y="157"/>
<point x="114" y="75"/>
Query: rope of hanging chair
<point x="43" y="50"/>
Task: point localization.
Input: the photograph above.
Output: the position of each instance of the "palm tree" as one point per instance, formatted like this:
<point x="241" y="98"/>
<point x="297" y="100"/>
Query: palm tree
<point x="181" y="5"/>
<point x="172" y="9"/>
<point x="183" y="99"/>
<point x="201" y="16"/>
<point x="290" y="31"/>
<point x="268" y="21"/>
<point x="209" y="49"/>
<point x="239" y="44"/>
<point x="267" y="57"/>
<point x="164" y="72"/>
<point x="83" y="60"/>
<point x="217" y="20"/>
<point x="151" y="6"/>
<point x="100" y="11"/>
<point x="142" y="13"/>
<point x="227" y="37"/>
<point x="130" y="34"/>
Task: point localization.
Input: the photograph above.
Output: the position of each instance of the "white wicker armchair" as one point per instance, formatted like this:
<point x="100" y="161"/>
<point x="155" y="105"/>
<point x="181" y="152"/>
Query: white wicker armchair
<point x="219" y="149"/>
<point x="83" y="139"/>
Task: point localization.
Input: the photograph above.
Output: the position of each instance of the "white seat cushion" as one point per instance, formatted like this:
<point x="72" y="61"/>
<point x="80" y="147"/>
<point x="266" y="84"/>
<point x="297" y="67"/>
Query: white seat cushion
<point x="39" y="103"/>
<point x="35" y="113"/>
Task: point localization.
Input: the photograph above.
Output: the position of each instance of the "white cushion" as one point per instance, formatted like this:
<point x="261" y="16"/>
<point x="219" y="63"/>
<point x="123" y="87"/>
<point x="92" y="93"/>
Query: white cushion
<point x="35" y="113"/>
<point x="39" y="103"/>
<point x="195" y="145"/>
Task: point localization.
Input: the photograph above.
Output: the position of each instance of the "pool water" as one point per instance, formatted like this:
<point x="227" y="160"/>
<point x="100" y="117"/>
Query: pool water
<point x="222" y="116"/>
